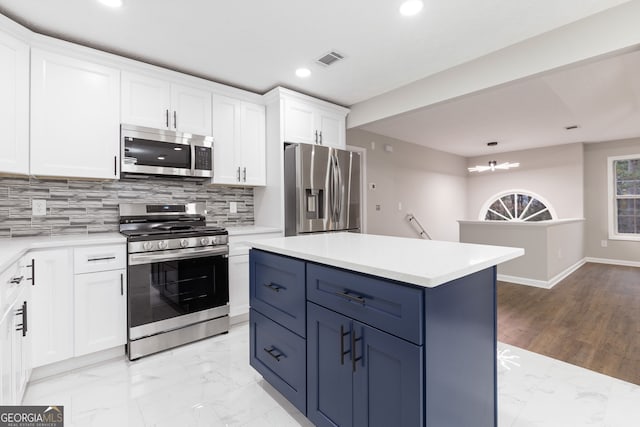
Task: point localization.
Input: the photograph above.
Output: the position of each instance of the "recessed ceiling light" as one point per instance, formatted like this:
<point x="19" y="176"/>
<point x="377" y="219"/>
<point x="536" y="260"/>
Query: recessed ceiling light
<point x="303" y="72"/>
<point x="111" y="3"/>
<point x="411" y="7"/>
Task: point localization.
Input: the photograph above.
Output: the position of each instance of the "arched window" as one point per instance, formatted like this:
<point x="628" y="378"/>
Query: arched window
<point x="516" y="205"/>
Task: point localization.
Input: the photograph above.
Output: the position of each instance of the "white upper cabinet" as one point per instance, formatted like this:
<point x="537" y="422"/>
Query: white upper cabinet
<point x="299" y="122"/>
<point x="310" y="123"/>
<point x="75" y="126"/>
<point x="157" y="103"/>
<point x="239" y="142"/>
<point x="145" y="101"/>
<point x="191" y="110"/>
<point x="14" y="106"/>
<point x="253" y="137"/>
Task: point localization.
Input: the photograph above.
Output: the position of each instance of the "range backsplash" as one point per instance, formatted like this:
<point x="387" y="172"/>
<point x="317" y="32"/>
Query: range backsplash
<point x="81" y="207"/>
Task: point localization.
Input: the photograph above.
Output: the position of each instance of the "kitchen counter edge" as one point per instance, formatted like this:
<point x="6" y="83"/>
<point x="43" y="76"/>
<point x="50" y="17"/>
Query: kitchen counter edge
<point x="11" y="249"/>
<point x="309" y="253"/>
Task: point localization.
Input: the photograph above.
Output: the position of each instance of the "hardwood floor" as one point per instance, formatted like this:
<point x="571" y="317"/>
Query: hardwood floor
<point x="590" y="319"/>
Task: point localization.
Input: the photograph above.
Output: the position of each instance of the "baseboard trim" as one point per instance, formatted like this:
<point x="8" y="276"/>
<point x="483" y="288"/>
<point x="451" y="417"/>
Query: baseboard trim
<point x="548" y="284"/>
<point x="74" y="363"/>
<point x="613" y="262"/>
<point x="566" y="272"/>
<point x="523" y="281"/>
<point x="239" y="318"/>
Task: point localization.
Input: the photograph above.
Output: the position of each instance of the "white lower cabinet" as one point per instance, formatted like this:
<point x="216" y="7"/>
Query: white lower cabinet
<point x="77" y="314"/>
<point x="238" y="285"/>
<point x="239" y="272"/>
<point x="100" y="314"/>
<point x="52" y="301"/>
<point x="15" y="336"/>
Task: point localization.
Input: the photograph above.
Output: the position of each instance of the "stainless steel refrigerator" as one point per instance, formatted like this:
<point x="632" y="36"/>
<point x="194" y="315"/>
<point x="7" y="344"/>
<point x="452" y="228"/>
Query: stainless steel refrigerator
<point x="321" y="189"/>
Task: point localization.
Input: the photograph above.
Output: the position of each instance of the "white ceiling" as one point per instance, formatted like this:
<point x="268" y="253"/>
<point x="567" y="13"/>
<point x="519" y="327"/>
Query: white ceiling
<point x="257" y="44"/>
<point x="602" y="97"/>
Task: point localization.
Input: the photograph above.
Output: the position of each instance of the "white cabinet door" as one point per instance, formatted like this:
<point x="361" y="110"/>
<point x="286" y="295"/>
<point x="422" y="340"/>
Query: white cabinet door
<point x="253" y="138"/>
<point x="75" y="120"/>
<point x="226" y="140"/>
<point x="145" y="101"/>
<point x="100" y="311"/>
<point x="332" y="129"/>
<point x="51" y="308"/>
<point x="14" y="105"/>
<point x="238" y="285"/>
<point x="21" y="347"/>
<point x="6" y="361"/>
<point x="191" y="110"/>
<point x="299" y="122"/>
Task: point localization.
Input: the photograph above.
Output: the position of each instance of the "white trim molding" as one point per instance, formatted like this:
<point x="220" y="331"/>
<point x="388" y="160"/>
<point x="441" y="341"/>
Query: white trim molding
<point x="541" y="283"/>
<point x="612" y="214"/>
<point x="613" y="261"/>
<point x="487" y="204"/>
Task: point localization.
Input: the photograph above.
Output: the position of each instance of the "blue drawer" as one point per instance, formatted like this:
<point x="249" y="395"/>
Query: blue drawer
<point x="277" y="289"/>
<point x="390" y="306"/>
<point x="280" y="356"/>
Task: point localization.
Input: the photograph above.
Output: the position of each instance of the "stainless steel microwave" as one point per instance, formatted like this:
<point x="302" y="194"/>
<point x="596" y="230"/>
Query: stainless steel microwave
<point x="158" y="152"/>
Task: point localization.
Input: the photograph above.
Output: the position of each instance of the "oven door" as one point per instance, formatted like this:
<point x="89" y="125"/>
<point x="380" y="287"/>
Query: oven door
<point x="170" y="291"/>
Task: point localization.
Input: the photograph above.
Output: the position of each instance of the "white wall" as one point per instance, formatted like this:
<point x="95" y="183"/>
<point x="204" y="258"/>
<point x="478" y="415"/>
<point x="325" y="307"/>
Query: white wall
<point x="554" y="173"/>
<point x="552" y="248"/>
<point x="428" y="183"/>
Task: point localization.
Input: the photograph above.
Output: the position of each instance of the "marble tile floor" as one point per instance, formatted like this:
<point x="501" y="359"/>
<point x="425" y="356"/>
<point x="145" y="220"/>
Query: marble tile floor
<point x="210" y="383"/>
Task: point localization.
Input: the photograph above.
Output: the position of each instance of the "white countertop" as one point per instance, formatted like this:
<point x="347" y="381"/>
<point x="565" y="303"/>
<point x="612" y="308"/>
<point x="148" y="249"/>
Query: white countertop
<point x="243" y="230"/>
<point x="426" y="263"/>
<point x="12" y="249"/>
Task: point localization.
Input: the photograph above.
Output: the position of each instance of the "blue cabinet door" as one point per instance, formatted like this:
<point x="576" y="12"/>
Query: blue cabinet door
<point x="277" y="289"/>
<point x="329" y="370"/>
<point x="387" y="381"/>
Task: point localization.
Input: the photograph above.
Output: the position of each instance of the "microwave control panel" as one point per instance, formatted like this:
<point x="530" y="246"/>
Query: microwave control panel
<point x="203" y="158"/>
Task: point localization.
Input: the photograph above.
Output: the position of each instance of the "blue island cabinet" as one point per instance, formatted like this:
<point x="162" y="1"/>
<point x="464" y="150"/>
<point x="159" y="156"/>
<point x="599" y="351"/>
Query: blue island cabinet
<point x="378" y="352"/>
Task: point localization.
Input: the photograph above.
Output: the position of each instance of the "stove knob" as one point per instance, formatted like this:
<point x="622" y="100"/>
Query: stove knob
<point x="204" y="241"/>
<point x="147" y="246"/>
<point x="184" y="243"/>
<point x="163" y="244"/>
<point x="215" y="240"/>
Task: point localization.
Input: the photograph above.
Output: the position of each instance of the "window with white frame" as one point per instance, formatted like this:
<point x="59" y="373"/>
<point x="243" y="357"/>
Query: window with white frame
<point x="624" y="192"/>
<point x="517" y="205"/>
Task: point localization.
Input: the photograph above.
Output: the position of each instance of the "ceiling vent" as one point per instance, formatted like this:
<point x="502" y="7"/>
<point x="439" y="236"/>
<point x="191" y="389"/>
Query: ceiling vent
<point x="329" y="58"/>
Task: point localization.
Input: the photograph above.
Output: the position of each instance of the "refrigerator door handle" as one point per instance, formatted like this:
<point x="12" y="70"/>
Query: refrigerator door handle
<point x="339" y="193"/>
<point x="336" y="190"/>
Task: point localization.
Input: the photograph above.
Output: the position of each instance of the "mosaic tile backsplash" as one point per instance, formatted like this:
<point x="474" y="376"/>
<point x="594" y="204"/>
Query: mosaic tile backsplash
<point x="81" y="207"/>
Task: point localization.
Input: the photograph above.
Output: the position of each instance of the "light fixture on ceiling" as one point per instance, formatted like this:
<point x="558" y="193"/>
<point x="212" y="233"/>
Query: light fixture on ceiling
<point x="111" y="3"/>
<point x="493" y="165"/>
<point x="411" y="7"/>
<point x="303" y="72"/>
<point x="572" y="127"/>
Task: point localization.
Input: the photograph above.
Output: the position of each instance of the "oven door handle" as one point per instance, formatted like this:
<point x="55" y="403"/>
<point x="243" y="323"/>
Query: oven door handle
<point x="149" y="258"/>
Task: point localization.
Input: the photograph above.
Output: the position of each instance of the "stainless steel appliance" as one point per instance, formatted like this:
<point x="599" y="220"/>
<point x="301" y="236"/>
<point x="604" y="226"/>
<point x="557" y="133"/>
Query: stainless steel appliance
<point x="148" y="151"/>
<point x="321" y="189"/>
<point x="177" y="276"/>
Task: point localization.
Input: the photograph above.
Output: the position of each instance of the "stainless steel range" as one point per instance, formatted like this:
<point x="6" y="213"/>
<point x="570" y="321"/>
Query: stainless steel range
<point x="177" y="276"/>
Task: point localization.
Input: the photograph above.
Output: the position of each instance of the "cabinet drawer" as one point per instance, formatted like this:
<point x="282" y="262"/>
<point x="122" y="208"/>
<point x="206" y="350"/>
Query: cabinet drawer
<point x="90" y="259"/>
<point x="280" y="356"/>
<point x="389" y="306"/>
<point x="277" y="289"/>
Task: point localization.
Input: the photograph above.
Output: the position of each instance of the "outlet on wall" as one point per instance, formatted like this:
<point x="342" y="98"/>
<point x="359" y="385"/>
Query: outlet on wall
<point x="38" y="207"/>
<point x="233" y="207"/>
<point x="604" y="243"/>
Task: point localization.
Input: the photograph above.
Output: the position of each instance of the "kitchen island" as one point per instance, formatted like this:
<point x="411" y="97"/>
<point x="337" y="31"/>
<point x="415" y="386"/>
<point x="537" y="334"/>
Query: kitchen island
<point x="368" y="330"/>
